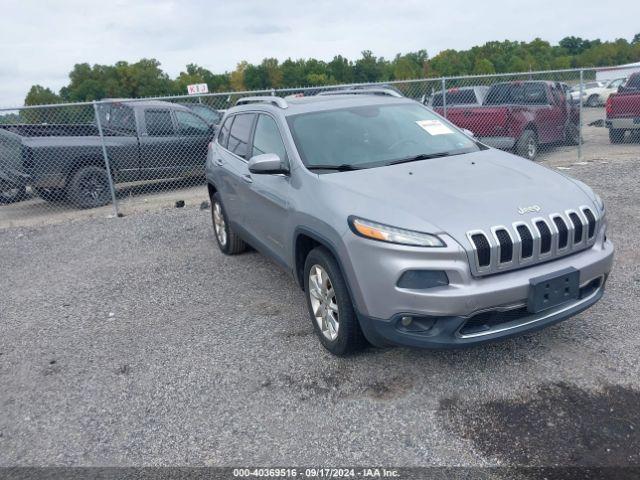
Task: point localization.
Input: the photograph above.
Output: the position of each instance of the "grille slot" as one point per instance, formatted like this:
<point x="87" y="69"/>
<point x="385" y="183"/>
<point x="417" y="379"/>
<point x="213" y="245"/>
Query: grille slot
<point x="526" y="240"/>
<point x="577" y="227"/>
<point x="563" y="232"/>
<point x="483" y="249"/>
<point x="506" y="245"/>
<point x="545" y="236"/>
<point x="488" y="320"/>
<point x="591" y="220"/>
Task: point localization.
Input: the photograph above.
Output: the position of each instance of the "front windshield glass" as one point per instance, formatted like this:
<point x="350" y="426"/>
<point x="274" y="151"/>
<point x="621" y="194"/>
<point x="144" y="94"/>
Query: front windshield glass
<point x="374" y="135"/>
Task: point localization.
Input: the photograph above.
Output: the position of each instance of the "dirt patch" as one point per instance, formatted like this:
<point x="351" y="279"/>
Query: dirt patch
<point x="558" y="425"/>
<point x="339" y="384"/>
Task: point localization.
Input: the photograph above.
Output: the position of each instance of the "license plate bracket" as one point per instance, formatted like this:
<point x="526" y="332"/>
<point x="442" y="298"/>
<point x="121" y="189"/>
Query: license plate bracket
<point x="554" y="289"/>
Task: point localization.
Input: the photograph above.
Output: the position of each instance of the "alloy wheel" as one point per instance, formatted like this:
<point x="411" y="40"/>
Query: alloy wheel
<point x="324" y="302"/>
<point x="219" y="224"/>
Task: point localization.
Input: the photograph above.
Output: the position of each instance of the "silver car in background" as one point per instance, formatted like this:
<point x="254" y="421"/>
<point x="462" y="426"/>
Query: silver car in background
<point x="399" y="228"/>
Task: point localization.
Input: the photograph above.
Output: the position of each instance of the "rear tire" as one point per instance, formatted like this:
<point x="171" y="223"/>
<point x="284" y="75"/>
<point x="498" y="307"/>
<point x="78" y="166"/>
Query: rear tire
<point x="527" y="145"/>
<point x="88" y="187"/>
<point x="332" y="314"/>
<point x="13" y="194"/>
<point x="571" y="134"/>
<point x="616" y="135"/>
<point x="593" y="101"/>
<point x="228" y="241"/>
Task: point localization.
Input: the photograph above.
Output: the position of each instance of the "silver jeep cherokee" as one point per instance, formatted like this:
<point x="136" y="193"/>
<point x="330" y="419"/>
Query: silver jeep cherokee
<point x="401" y="228"/>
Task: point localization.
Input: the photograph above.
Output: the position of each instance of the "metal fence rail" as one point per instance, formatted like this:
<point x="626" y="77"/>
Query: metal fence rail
<point x="112" y="154"/>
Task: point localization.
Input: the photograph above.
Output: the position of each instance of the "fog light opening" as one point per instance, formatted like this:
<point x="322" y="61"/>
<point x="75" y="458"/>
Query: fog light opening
<point x="415" y="324"/>
<point x="406" y="321"/>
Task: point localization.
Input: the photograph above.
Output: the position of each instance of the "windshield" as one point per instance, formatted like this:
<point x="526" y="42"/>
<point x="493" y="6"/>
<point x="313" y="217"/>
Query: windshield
<point x="370" y="136"/>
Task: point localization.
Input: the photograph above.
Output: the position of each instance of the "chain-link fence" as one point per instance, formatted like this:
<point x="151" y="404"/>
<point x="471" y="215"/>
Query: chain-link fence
<point x="109" y="156"/>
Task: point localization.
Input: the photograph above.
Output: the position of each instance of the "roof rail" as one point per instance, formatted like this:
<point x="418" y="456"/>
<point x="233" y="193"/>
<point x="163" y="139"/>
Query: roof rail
<point x="364" y="91"/>
<point x="273" y="100"/>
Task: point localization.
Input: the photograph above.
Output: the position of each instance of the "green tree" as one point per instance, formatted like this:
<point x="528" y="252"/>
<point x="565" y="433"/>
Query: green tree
<point x="340" y="70"/>
<point x="369" y="68"/>
<point x="236" y="80"/>
<point x="483" y="66"/>
<point x="39" y="95"/>
<point x="146" y="77"/>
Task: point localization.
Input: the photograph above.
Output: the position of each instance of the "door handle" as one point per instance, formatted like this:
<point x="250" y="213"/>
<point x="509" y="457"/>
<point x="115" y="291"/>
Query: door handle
<point x="219" y="162"/>
<point x="247" y="178"/>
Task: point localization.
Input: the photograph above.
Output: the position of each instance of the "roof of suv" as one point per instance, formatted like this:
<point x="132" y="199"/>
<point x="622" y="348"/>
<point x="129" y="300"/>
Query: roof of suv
<point x="316" y="103"/>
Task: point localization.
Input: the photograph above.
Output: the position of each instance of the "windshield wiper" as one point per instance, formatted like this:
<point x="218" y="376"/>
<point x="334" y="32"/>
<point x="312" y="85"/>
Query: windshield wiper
<point x="422" y="156"/>
<point x="344" y="167"/>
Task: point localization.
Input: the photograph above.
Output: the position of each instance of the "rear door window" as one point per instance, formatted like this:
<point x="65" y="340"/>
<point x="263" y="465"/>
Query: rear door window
<point x="159" y="123"/>
<point x="240" y="133"/>
<point x="118" y="117"/>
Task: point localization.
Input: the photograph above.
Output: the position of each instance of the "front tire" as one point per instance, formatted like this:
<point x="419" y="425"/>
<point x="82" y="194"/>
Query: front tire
<point x="89" y="187"/>
<point x="329" y="303"/>
<point x="593" y="101"/>
<point x="616" y="135"/>
<point x="571" y="134"/>
<point x="13" y="194"/>
<point x="527" y="145"/>
<point x="228" y="241"/>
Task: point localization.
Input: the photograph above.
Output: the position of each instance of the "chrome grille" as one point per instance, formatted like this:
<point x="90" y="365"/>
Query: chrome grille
<point x="545" y="236"/>
<point x="501" y="247"/>
<point x="563" y="232"/>
<point x="526" y="241"/>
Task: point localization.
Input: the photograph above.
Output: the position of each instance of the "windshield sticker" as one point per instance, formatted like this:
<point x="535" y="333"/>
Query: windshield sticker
<point x="434" y="127"/>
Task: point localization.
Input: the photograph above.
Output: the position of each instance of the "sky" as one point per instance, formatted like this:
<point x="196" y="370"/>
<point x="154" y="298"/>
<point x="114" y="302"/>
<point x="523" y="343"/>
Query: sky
<point x="40" y="42"/>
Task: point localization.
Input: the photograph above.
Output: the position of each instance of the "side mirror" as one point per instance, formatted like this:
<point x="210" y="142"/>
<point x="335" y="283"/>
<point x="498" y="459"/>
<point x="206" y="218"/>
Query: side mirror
<point x="267" y="163"/>
<point x="468" y="133"/>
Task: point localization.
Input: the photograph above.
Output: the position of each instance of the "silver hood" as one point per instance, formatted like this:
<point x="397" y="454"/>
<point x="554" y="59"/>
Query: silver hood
<point x="459" y="194"/>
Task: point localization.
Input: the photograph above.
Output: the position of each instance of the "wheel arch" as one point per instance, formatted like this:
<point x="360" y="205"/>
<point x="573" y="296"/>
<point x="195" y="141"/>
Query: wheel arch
<point x="85" y="161"/>
<point x="212" y="189"/>
<point x="306" y="240"/>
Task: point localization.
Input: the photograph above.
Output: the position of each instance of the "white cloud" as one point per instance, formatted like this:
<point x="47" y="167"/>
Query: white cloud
<point x="41" y="41"/>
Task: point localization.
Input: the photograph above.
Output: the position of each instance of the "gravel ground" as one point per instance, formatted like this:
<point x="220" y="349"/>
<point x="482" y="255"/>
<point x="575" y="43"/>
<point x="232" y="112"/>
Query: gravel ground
<point x="133" y="341"/>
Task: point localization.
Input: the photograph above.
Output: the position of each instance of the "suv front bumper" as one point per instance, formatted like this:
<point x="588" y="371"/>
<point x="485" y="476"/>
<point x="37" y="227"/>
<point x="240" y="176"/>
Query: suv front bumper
<point x="449" y="332"/>
<point x="381" y="304"/>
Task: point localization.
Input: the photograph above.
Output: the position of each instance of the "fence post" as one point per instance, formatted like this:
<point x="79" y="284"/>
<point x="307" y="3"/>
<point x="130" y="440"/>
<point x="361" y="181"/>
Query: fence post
<point x="444" y="97"/>
<point x="580" y="115"/>
<point x="106" y="160"/>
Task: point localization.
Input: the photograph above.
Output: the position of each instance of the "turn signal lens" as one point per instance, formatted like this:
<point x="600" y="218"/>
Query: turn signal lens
<point x="386" y="233"/>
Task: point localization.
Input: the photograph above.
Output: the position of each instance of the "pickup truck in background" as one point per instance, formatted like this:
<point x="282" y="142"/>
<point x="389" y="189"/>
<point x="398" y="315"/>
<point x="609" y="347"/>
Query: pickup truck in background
<point x="521" y="116"/>
<point x="623" y="110"/>
<point x="145" y="140"/>
<point x="595" y="94"/>
<point x="467" y="96"/>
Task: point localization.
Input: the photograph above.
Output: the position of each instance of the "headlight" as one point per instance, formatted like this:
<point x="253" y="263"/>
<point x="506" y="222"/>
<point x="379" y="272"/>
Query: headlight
<point x="386" y="233"/>
<point x="600" y="204"/>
